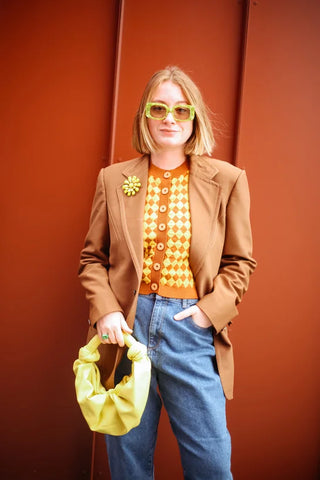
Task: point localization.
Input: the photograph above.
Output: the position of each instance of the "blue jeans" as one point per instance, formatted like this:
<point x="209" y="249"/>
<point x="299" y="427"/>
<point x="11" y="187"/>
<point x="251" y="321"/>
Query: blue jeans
<point x="185" y="374"/>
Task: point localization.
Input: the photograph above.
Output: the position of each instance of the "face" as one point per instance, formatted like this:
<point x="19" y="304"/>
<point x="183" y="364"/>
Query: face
<point x="169" y="134"/>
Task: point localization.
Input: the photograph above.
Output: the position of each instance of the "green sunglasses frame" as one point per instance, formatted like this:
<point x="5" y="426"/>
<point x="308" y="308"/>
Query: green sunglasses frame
<point x="149" y="105"/>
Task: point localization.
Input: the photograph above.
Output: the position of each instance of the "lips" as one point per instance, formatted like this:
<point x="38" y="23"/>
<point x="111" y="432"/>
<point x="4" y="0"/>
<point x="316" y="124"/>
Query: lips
<point x="165" y="130"/>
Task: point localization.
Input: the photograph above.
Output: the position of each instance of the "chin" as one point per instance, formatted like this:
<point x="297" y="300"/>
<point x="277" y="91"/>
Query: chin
<point x="170" y="144"/>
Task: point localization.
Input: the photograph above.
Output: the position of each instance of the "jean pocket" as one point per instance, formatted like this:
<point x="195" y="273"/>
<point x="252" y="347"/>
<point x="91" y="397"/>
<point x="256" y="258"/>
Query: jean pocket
<point x="196" y="327"/>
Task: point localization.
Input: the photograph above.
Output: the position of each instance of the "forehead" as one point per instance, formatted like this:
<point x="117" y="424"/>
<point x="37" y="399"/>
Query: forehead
<point x="168" y="92"/>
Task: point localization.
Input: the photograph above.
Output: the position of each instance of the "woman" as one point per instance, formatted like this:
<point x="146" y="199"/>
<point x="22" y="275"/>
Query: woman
<point x="168" y="254"/>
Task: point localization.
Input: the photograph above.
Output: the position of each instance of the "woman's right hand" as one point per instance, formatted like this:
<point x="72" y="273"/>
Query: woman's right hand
<point x="112" y="325"/>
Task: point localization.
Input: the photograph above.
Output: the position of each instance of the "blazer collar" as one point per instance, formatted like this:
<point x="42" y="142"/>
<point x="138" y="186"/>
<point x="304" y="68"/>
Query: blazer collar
<point x="138" y="167"/>
<point x="203" y="168"/>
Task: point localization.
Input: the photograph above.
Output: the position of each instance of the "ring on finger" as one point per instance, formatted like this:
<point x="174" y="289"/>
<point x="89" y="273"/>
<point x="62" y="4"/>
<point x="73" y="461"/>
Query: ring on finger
<point x="105" y="336"/>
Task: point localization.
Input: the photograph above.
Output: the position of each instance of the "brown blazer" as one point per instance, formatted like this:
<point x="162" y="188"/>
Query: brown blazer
<point x="220" y="252"/>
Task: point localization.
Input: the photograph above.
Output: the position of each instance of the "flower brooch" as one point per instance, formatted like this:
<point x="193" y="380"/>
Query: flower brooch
<point x="131" y="186"/>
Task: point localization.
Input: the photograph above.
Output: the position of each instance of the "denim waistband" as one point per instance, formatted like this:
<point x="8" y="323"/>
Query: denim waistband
<point x="184" y="302"/>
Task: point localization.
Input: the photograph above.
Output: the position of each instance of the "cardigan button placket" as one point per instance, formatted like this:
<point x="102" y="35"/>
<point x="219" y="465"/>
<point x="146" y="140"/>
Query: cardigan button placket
<point x="161" y="239"/>
<point x="158" y="273"/>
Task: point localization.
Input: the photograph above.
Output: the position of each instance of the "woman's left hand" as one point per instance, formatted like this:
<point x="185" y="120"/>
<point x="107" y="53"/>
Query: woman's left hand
<point x="198" y="316"/>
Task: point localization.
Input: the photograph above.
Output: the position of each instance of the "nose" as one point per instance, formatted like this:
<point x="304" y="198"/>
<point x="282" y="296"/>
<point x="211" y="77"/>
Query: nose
<point x="169" y="118"/>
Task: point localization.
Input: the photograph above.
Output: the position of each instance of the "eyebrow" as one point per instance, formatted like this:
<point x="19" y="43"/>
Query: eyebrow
<point x="176" y="103"/>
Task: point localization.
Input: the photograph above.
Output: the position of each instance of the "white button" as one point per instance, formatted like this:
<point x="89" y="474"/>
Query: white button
<point x="162" y="227"/>
<point x="154" y="286"/>
<point x="162" y="208"/>
<point x="167" y="174"/>
<point x="160" y="246"/>
<point x="156" y="266"/>
<point x="165" y="190"/>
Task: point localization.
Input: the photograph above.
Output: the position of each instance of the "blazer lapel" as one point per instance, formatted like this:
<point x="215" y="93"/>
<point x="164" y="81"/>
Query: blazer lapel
<point x="204" y="198"/>
<point x="132" y="211"/>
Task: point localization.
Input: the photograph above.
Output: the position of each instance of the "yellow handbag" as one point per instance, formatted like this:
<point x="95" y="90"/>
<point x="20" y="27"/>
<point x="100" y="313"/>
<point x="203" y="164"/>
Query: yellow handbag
<point x="118" y="410"/>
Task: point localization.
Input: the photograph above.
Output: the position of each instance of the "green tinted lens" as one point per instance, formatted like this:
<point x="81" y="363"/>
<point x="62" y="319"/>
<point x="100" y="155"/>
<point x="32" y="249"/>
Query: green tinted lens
<point x="182" y="112"/>
<point x="158" y="111"/>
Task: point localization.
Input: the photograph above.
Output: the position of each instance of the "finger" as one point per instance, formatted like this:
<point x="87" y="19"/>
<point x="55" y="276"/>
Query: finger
<point x="104" y="338"/>
<point x="125" y="327"/>
<point x="101" y="333"/>
<point x="119" y="338"/>
<point x="113" y="336"/>
<point x="185" y="313"/>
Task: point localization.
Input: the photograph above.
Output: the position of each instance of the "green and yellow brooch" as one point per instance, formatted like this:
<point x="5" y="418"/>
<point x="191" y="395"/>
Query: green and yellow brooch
<point x="131" y="186"/>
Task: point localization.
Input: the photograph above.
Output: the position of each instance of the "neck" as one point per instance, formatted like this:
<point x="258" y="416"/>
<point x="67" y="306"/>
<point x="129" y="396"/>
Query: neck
<point x="168" y="160"/>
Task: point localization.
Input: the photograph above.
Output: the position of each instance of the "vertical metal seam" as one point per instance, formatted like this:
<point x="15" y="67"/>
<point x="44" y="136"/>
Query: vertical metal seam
<point x="242" y="71"/>
<point x="93" y="451"/>
<point x="116" y="81"/>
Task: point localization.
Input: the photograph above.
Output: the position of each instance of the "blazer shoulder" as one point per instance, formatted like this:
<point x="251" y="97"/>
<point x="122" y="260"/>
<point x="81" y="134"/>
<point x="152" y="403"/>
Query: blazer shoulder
<point x="226" y="169"/>
<point x="114" y="175"/>
<point x="227" y="174"/>
<point x="223" y="173"/>
<point x="118" y="168"/>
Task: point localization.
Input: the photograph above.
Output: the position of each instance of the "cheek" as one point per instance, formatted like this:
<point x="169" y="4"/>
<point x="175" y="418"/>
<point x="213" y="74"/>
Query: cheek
<point x="188" y="130"/>
<point x="151" y="127"/>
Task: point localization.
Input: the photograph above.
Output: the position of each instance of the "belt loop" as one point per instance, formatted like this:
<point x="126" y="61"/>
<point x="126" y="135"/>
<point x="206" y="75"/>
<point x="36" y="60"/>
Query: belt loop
<point x="184" y="303"/>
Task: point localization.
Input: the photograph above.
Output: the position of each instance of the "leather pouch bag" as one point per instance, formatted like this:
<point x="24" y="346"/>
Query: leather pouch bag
<point x="118" y="410"/>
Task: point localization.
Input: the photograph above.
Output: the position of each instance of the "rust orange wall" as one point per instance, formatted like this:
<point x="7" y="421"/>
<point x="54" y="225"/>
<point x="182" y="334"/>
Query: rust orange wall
<point x="56" y="98"/>
<point x="56" y="91"/>
<point x="275" y="416"/>
<point x="204" y="38"/>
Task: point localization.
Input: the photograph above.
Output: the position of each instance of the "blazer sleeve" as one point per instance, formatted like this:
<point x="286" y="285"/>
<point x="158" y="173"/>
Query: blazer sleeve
<point x="94" y="259"/>
<point x="236" y="262"/>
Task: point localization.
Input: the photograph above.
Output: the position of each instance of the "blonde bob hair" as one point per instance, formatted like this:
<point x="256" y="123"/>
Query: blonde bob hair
<point x="201" y="140"/>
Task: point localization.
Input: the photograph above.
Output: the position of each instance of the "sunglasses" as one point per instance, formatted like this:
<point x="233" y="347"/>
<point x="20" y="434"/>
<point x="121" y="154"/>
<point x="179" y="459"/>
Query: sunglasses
<point x="160" y="111"/>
